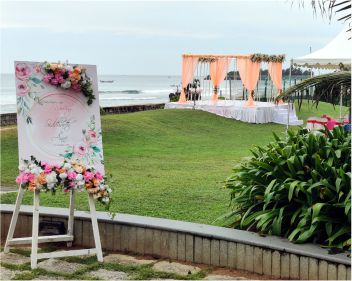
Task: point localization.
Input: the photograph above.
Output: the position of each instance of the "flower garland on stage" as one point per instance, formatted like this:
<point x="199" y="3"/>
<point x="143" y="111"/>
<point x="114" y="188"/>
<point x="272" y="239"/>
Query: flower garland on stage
<point x="69" y="78"/>
<point x="267" y="58"/>
<point x="37" y="175"/>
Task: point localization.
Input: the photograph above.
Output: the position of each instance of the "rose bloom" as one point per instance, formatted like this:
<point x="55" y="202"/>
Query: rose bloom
<point x="22" y="71"/>
<point x="91" y="136"/>
<point x="41" y="179"/>
<point x="80" y="149"/>
<point x="22" y="89"/>
<point x="78" y="168"/>
<point x="89" y="185"/>
<point x="32" y="186"/>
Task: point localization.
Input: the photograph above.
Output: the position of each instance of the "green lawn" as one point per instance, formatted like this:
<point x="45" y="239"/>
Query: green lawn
<point x="165" y="163"/>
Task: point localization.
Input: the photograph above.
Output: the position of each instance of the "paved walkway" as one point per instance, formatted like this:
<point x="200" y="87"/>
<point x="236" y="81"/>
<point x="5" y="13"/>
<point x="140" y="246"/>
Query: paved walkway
<point x="16" y="265"/>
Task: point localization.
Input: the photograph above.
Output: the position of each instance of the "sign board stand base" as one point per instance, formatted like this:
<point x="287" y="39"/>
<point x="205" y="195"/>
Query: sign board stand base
<point x="35" y="239"/>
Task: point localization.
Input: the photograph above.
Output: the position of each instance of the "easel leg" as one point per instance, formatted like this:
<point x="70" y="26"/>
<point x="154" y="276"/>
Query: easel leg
<point x="14" y="219"/>
<point x="95" y="227"/>
<point x="35" y="225"/>
<point x="71" y="216"/>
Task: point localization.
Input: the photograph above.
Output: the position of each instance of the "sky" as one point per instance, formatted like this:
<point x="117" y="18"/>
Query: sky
<point x="149" y="37"/>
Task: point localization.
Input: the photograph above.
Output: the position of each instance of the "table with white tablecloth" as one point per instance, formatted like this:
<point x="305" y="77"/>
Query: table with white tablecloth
<point x="262" y="112"/>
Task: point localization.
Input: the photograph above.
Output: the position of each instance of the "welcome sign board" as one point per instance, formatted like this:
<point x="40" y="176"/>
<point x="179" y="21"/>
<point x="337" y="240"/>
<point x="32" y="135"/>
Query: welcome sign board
<point x="58" y="113"/>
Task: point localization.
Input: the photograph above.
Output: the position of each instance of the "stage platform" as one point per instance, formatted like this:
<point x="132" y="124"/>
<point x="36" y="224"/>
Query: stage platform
<point x="262" y="112"/>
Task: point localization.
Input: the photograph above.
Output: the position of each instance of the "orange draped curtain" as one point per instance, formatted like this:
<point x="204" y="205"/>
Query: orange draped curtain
<point x="218" y="71"/>
<point x="249" y="73"/>
<point x="189" y="65"/>
<point x="275" y="71"/>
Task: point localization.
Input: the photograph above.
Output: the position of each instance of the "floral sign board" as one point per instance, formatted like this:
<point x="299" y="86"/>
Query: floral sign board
<point x="58" y="114"/>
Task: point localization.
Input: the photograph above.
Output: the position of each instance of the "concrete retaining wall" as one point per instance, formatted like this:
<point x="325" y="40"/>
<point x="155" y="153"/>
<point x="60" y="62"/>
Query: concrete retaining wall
<point x="11" y="118"/>
<point x="198" y="243"/>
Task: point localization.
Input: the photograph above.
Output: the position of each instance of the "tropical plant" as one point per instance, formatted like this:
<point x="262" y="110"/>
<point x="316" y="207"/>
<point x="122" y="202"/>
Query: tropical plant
<point x="325" y="87"/>
<point x="298" y="187"/>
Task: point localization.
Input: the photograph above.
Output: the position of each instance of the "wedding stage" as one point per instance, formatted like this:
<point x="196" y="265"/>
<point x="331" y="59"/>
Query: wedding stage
<point x="260" y="113"/>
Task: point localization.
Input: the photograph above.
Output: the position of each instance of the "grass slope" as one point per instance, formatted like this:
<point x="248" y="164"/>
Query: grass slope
<point x="165" y="163"/>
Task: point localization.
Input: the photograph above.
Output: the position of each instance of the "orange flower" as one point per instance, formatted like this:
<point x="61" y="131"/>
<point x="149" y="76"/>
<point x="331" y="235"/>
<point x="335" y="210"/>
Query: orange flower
<point x="78" y="168"/>
<point x="60" y="171"/>
<point x="41" y="179"/>
<point x="32" y="186"/>
<point x="53" y="66"/>
<point x="96" y="182"/>
<point x="89" y="185"/>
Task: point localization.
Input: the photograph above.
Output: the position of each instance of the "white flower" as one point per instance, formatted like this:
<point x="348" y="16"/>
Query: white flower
<point x="50" y="185"/>
<point x="36" y="170"/>
<point x="102" y="187"/>
<point x="79" y="177"/>
<point x="80" y="184"/>
<point x="66" y="84"/>
<point x="106" y="199"/>
<point x="67" y="166"/>
<point x="22" y="167"/>
<point x="109" y="190"/>
<point x="51" y="178"/>
<point x="63" y="176"/>
<point x="32" y="166"/>
<point x="27" y="171"/>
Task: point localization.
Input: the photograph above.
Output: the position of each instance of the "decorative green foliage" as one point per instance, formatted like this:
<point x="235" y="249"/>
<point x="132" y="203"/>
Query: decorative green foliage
<point x="299" y="188"/>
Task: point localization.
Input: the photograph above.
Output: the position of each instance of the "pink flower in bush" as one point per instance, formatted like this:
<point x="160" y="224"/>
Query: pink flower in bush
<point x="88" y="176"/>
<point x="80" y="149"/>
<point x="22" y="71"/>
<point x="99" y="176"/>
<point x="22" y="89"/>
<point x="71" y="175"/>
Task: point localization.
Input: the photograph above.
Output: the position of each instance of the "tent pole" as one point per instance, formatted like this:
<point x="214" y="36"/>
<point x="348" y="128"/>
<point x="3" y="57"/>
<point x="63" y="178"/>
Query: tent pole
<point x="340" y="104"/>
<point x="288" y="102"/>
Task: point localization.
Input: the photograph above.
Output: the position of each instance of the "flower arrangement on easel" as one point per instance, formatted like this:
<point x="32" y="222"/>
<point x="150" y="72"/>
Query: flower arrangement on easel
<point x="38" y="175"/>
<point x="69" y="78"/>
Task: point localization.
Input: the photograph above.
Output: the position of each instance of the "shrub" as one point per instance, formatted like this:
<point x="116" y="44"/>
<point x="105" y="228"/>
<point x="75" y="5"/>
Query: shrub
<point x="298" y="187"/>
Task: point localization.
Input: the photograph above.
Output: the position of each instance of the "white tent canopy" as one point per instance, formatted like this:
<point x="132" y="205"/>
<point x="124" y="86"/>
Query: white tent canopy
<point x="336" y="52"/>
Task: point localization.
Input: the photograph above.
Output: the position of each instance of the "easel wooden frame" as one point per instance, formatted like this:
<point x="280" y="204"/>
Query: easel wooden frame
<point x="35" y="239"/>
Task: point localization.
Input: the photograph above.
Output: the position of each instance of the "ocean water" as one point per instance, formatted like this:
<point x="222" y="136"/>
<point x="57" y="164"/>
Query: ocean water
<point x="124" y="90"/>
<point x="137" y="89"/>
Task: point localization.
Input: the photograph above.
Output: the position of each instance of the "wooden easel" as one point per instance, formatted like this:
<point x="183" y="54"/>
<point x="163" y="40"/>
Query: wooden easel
<point x="35" y="239"/>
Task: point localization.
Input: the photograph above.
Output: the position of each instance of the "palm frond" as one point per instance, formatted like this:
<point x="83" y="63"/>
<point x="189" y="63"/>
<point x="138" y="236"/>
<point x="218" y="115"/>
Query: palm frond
<point x="326" y="87"/>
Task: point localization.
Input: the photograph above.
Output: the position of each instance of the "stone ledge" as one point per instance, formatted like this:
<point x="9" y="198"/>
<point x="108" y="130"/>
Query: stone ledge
<point x="202" y="230"/>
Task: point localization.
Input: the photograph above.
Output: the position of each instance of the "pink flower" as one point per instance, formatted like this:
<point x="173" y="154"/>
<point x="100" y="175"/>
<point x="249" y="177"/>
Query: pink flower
<point x="47" y="170"/>
<point x="99" y="176"/>
<point x="48" y="77"/>
<point x="91" y="136"/>
<point x="76" y="87"/>
<point x="36" y="68"/>
<point x="22" y="89"/>
<point x="21" y="178"/>
<point x="71" y="176"/>
<point x="24" y="178"/>
<point x="22" y="71"/>
<point x="54" y="81"/>
<point x="72" y="184"/>
<point x="80" y="149"/>
<point x="88" y="176"/>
